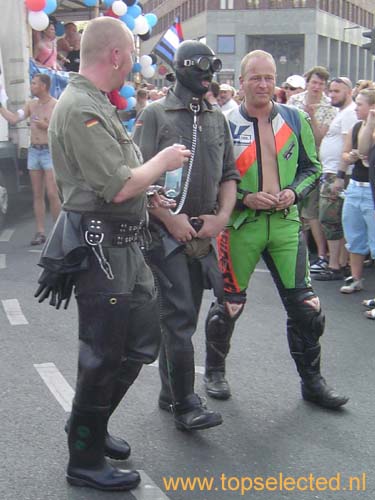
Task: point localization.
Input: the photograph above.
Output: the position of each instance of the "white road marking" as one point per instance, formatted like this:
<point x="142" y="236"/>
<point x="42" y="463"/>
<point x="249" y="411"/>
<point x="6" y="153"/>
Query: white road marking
<point x="35" y="251"/>
<point x="57" y="384"/>
<point x="147" y="490"/>
<point x="198" y="369"/>
<point x="6" y="234"/>
<point x="3" y="264"/>
<point x="14" y="313"/>
<point x="261" y="271"/>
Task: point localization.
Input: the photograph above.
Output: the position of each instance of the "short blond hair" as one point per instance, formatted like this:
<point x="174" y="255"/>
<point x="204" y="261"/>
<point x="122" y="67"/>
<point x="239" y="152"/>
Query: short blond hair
<point x="100" y="36"/>
<point x="253" y="55"/>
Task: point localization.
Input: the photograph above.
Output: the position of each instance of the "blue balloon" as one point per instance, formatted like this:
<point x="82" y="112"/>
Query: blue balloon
<point x="51" y="6"/>
<point x="152" y="19"/>
<point x="131" y="103"/>
<point x="134" y="11"/>
<point x="127" y="91"/>
<point x="59" y="28"/>
<point x="137" y="67"/>
<point x="89" y="3"/>
<point x="129" y="21"/>
<point x="107" y="3"/>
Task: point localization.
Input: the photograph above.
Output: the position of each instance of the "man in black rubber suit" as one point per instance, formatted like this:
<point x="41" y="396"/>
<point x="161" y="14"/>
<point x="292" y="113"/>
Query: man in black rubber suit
<point x="183" y="254"/>
<point x="95" y="162"/>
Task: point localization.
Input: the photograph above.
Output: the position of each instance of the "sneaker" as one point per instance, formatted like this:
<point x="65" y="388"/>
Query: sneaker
<point x="329" y="274"/>
<point x="39" y="239"/>
<point x="319" y="265"/>
<point x="352" y="285"/>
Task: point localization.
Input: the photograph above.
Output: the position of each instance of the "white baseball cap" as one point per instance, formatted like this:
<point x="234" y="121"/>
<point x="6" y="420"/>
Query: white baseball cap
<point x="225" y="86"/>
<point x="296" y="81"/>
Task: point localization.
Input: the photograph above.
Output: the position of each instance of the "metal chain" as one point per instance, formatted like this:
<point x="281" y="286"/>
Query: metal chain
<point x="195" y="108"/>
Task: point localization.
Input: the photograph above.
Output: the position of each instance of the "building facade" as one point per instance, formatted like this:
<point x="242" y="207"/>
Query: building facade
<point x="298" y="33"/>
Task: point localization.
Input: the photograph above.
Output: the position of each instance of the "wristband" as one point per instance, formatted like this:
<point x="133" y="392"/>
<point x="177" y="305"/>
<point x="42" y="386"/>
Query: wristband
<point x="341" y="174"/>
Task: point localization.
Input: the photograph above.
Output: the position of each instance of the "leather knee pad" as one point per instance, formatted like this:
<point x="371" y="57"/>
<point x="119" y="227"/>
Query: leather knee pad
<point x="219" y="323"/>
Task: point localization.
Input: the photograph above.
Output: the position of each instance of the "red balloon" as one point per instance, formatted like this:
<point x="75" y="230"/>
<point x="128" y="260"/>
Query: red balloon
<point x="35" y="5"/>
<point x="110" y="13"/>
<point x="162" y="70"/>
<point x="117" y="100"/>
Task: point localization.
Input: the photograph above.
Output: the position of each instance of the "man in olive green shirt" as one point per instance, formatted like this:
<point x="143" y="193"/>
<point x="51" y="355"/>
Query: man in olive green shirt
<point x="101" y="178"/>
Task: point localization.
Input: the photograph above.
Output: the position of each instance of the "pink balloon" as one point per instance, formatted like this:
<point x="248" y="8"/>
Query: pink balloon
<point x="35" y="5"/>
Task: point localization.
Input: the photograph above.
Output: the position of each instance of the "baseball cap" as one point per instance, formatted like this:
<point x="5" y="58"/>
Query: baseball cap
<point x="296" y="81"/>
<point x="225" y="86"/>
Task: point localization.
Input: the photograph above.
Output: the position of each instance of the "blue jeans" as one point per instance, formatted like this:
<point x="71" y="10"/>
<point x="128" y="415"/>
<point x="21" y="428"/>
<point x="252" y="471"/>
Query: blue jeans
<point x="358" y="220"/>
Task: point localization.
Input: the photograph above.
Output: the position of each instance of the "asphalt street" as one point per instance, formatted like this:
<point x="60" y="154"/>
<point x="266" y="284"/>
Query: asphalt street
<point x="269" y="433"/>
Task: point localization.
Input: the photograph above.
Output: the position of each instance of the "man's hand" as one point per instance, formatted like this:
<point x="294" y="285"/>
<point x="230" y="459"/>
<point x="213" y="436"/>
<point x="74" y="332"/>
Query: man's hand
<point x="212" y="225"/>
<point x="287" y="198"/>
<point x="261" y="201"/>
<point x="180" y="228"/>
<point x="175" y="156"/>
<point x="337" y="187"/>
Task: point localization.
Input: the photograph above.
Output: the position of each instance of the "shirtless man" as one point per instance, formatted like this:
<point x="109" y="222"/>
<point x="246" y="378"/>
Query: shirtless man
<point x="276" y="155"/>
<point x="39" y="161"/>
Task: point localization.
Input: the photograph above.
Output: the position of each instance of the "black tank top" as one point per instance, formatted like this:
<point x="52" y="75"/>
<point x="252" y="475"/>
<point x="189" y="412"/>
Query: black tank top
<point x="360" y="172"/>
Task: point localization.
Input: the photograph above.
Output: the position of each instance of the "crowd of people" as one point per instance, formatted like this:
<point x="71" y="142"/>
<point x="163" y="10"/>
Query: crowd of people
<point x="267" y="173"/>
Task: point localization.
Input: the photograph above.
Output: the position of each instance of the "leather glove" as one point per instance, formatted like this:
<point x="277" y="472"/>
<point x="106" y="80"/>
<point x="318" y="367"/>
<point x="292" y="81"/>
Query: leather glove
<point x="57" y="286"/>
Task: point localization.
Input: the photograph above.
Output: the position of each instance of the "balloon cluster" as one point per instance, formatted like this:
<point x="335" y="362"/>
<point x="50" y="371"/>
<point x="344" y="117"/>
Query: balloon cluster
<point x="130" y="12"/>
<point x="39" y="11"/>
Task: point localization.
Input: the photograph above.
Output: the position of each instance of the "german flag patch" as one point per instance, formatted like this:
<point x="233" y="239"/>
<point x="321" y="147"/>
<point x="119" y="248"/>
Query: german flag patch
<point x="91" y="122"/>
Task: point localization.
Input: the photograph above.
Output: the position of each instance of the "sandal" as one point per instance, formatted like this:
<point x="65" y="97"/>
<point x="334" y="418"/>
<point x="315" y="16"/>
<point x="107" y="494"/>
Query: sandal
<point x="39" y="239"/>
<point x="370" y="314"/>
<point x="370" y="303"/>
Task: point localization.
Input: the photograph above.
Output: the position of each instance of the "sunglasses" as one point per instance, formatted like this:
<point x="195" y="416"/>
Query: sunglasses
<point x="204" y="63"/>
<point x="343" y="80"/>
<point x="289" y="87"/>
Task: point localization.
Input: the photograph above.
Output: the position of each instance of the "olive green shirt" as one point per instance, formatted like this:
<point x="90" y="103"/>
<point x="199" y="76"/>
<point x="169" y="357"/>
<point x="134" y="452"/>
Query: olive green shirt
<point x="92" y="153"/>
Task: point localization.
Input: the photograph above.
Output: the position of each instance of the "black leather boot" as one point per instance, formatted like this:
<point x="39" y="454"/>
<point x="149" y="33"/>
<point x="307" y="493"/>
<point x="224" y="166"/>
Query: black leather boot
<point x="87" y="465"/>
<point x="314" y="387"/>
<point x="192" y="415"/>
<point x="219" y="329"/>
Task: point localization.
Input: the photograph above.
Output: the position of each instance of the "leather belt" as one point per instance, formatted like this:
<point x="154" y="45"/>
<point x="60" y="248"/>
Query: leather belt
<point x="99" y="230"/>
<point x="359" y="183"/>
<point x="39" y="146"/>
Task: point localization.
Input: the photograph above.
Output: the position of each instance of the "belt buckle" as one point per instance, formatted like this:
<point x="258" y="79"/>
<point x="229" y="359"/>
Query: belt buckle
<point x="94" y="235"/>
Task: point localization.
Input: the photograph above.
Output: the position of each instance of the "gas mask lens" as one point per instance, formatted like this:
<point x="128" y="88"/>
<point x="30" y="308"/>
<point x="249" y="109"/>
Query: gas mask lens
<point x="204" y="63"/>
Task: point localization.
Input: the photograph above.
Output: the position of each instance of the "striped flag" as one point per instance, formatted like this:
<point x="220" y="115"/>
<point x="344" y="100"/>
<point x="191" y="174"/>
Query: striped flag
<point x="168" y="43"/>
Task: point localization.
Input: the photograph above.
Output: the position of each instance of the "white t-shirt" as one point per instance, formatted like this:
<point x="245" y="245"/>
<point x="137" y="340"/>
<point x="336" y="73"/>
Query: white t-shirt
<point x="231" y="104"/>
<point x="332" y="145"/>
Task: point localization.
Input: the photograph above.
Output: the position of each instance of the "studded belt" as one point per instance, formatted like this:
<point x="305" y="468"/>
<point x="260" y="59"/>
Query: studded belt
<point x="99" y="230"/>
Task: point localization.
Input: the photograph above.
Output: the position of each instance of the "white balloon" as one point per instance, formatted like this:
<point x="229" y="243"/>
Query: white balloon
<point x="39" y="20"/>
<point x="145" y="61"/>
<point x="119" y="8"/>
<point x="148" y="71"/>
<point x="141" y="26"/>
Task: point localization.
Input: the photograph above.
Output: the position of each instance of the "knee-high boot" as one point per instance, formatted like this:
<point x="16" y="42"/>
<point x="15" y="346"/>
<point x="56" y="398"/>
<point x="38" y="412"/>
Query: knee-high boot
<point x="87" y="465"/>
<point x="219" y="329"/>
<point x="307" y="358"/>
<point x="177" y="395"/>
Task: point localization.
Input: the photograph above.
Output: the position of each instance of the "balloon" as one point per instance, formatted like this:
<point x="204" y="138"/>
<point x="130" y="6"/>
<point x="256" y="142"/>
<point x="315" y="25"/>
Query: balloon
<point x="90" y="3"/>
<point x="39" y="21"/>
<point x="129" y="3"/>
<point x="146" y="36"/>
<point x="35" y="5"/>
<point x="59" y="28"/>
<point x="134" y="11"/>
<point x="51" y="6"/>
<point x="151" y="19"/>
<point x="110" y="13"/>
<point x="108" y="3"/>
<point x="119" y="8"/>
<point x="127" y="91"/>
<point x="137" y="67"/>
<point x="131" y="103"/>
<point x="148" y="72"/>
<point x="129" y="21"/>
<point x="145" y="61"/>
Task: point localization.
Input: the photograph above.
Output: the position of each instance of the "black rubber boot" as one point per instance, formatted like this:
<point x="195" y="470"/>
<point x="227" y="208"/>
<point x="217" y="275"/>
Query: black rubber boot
<point x="314" y="387"/>
<point x="192" y="415"/>
<point x="87" y="465"/>
<point x="219" y="329"/>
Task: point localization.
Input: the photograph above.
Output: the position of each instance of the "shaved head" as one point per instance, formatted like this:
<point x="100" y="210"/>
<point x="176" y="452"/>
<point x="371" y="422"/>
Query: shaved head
<point x="101" y="36"/>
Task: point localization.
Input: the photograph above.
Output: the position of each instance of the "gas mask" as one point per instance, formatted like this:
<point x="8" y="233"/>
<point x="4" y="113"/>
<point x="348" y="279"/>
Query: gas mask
<point x="195" y="65"/>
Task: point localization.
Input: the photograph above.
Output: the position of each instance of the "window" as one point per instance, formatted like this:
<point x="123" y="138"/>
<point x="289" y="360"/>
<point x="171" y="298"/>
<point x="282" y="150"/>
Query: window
<point x="226" y="44"/>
